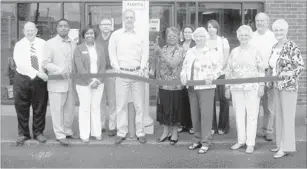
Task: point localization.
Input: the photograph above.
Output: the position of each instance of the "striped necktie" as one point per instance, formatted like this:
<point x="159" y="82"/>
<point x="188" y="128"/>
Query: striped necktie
<point x="34" y="60"/>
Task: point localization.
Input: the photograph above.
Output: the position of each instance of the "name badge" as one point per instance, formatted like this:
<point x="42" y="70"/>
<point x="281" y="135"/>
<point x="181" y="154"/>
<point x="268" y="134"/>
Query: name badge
<point x="84" y="52"/>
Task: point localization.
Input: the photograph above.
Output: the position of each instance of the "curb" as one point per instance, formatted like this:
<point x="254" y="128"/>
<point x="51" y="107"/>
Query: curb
<point x="131" y="142"/>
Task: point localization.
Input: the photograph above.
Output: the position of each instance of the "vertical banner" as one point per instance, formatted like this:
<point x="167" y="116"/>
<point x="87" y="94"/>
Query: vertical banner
<point x="141" y="26"/>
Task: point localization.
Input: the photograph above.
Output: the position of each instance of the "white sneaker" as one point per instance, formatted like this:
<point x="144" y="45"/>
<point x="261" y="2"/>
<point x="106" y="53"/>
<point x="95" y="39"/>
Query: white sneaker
<point x="279" y="154"/>
<point x="274" y="149"/>
<point x="249" y="149"/>
<point x="237" y="146"/>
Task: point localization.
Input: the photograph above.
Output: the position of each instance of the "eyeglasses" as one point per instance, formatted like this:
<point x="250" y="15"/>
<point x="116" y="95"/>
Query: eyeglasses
<point x="105" y="24"/>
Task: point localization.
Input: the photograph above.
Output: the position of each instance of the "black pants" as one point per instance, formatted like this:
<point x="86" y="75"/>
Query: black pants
<point x="28" y="93"/>
<point x="224" y="109"/>
<point x="186" y="120"/>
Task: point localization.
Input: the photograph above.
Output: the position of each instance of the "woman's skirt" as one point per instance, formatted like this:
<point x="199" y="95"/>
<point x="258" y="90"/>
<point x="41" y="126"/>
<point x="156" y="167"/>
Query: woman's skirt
<point x="169" y="107"/>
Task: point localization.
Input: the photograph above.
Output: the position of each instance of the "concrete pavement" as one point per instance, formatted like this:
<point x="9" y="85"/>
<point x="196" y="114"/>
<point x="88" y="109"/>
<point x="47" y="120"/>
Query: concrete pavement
<point x="147" y="156"/>
<point x="9" y="129"/>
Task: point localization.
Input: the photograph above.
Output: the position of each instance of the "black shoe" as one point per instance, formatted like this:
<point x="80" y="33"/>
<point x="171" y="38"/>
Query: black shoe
<point x="173" y="142"/>
<point x="112" y="133"/>
<point x="64" y="142"/>
<point x="72" y="137"/>
<point x="162" y="140"/>
<point x="142" y="140"/>
<point x="21" y="140"/>
<point x="41" y="138"/>
<point x="119" y="139"/>
<point x="103" y="130"/>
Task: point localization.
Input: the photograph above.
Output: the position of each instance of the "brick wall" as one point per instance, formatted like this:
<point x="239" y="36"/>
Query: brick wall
<point x="294" y="12"/>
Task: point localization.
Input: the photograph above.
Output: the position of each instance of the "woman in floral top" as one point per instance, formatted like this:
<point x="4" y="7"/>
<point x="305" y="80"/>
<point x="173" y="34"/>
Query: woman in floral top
<point x="286" y="62"/>
<point x="245" y="62"/>
<point x="201" y="63"/>
<point x="169" y="106"/>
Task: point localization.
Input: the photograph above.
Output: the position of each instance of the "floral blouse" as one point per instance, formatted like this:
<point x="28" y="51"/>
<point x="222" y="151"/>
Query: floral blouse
<point x="290" y="60"/>
<point x="205" y="63"/>
<point x="169" y="73"/>
<point x="244" y="64"/>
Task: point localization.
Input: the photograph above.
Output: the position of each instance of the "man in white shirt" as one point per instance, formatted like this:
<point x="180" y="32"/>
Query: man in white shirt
<point x="30" y="85"/>
<point x="127" y="56"/>
<point x="263" y="39"/>
<point x="109" y="87"/>
<point x="58" y="61"/>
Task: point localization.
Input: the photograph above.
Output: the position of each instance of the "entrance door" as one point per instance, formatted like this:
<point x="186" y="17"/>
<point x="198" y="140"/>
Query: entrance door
<point x="96" y="11"/>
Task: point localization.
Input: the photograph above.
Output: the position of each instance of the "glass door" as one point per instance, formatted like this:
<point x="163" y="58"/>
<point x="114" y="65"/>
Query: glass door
<point x="97" y="11"/>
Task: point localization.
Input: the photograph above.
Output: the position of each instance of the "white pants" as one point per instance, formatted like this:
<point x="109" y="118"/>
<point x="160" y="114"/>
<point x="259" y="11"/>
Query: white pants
<point x="109" y="99"/>
<point x="246" y="105"/>
<point x="123" y="87"/>
<point x="62" y="107"/>
<point x="89" y="111"/>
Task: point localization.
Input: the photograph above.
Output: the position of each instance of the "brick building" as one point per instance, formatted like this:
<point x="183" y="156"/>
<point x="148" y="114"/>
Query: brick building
<point x="229" y="13"/>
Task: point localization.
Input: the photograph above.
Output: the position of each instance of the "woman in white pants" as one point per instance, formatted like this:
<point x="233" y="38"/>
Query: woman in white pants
<point x="286" y="62"/>
<point x="89" y="58"/>
<point x="245" y="62"/>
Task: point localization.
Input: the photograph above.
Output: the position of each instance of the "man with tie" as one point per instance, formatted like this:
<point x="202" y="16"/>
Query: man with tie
<point x="109" y="94"/>
<point x="30" y="85"/>
<point x="58" y="61"/>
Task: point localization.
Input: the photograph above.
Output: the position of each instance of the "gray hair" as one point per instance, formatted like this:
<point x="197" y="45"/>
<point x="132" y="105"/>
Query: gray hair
<point x="128" y="10"/>
<point x="202" y="31"/>
<point x="280" y="23"/>
<point x="244" y="28"/>
<point x="264" y="14"/>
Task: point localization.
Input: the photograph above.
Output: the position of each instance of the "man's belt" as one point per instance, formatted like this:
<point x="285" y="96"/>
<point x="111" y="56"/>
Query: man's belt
<point x="131" y="70"/>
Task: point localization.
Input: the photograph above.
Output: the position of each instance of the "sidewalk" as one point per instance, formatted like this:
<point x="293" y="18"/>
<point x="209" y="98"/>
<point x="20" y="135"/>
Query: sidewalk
<point x="9" y="129"/>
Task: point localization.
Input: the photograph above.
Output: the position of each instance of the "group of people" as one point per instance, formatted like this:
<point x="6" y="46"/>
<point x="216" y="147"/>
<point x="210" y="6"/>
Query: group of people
<point x="203" y="55"/>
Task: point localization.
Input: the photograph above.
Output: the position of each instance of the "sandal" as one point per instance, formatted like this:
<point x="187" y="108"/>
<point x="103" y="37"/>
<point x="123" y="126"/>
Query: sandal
<point x="162" y="140"/>
<point x="203" y="150"/>
<point x="194" y="146"/>
<point x="173" y="142"/>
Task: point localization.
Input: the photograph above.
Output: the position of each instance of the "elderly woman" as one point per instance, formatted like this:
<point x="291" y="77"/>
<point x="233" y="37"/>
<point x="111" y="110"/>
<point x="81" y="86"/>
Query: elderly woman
<point x="220" y="44"/>
<point x="169" y="106"/>
<point x="186" y="121"/>
<point x="201" y="63"/>
<point x="245" y="62"/>
<point x="89" y="58"/>
<point x="286" y="62"/>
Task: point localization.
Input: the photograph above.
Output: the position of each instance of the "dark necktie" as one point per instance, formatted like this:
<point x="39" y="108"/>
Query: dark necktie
<point x="34" y="60"/>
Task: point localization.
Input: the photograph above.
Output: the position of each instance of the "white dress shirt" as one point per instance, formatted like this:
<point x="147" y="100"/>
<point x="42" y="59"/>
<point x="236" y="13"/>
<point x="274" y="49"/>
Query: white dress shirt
<point x="126" y="50"/>
<point x="22" y="56"/>
<point x="264" y="43"/>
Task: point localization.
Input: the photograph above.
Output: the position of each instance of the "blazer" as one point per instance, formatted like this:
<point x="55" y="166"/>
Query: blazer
<point x="82" y="63"/>
<point x="290" y="60"/>
<point x="57" y="58"/>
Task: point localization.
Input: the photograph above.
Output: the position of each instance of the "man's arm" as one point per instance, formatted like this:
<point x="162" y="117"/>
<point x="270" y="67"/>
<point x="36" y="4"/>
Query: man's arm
<point x="20" y="62"/>
<point x="48" y="60"/>
<point x="112" y="51"/>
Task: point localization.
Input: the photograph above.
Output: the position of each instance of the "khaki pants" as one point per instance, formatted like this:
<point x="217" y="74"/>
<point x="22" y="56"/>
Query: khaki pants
<point x="108" y="104"/>
<point x="123" y="88"/>
<point x="62" y="107"/>
<point x="285" y="108"/>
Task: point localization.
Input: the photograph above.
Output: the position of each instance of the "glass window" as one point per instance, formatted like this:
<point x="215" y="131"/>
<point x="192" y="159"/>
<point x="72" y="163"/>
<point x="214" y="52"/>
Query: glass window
<point x="72" y="12"/>
<point x="45" y="15"/>
<point x="185" y="15"/>
<point x="227" y="15"/>
<point x="96" y="12"/>
<point x="8" y="40"/>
